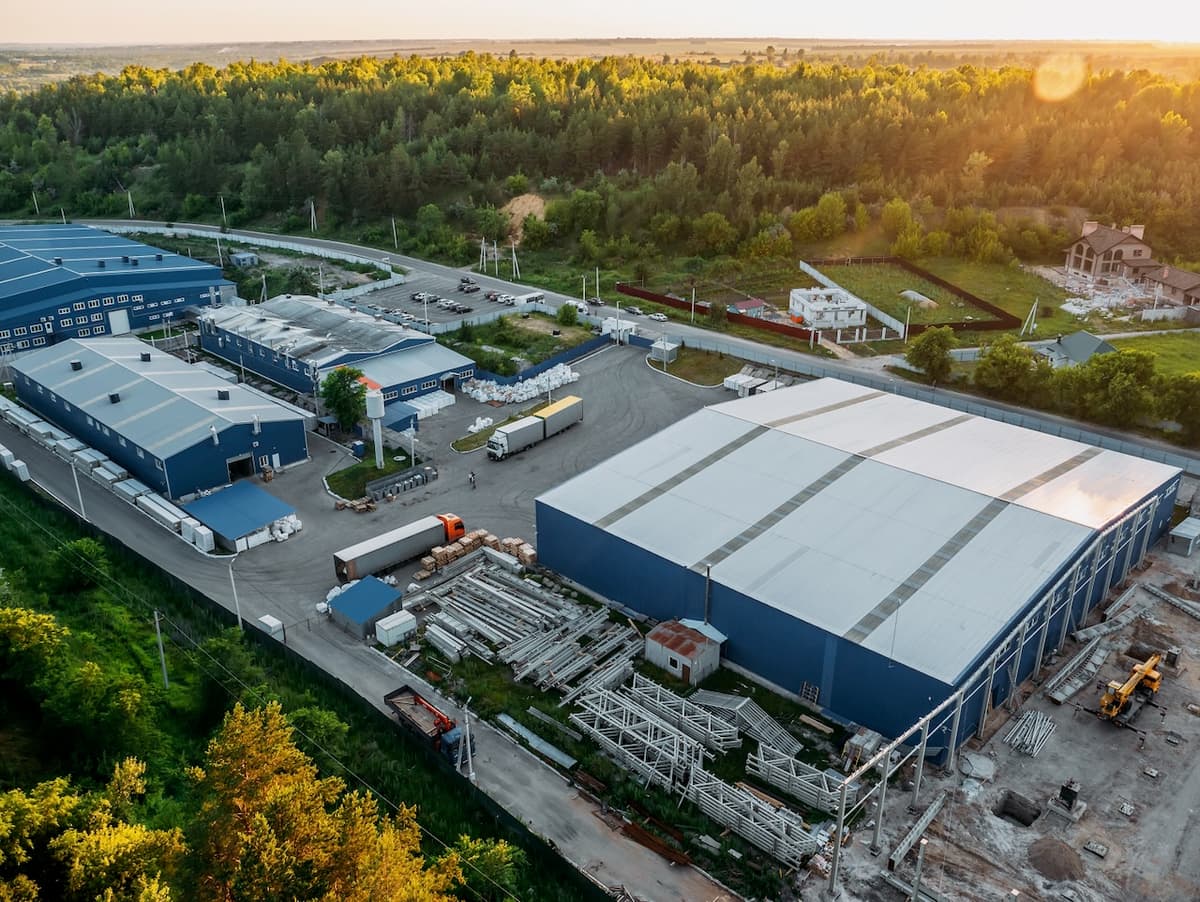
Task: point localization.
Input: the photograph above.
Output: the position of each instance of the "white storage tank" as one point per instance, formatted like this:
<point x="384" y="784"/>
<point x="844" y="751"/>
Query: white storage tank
<point x="395" y="628"/>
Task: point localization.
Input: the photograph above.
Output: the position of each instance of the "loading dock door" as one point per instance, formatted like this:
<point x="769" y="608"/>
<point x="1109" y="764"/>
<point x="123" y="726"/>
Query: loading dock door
<point x="118" y="322"/>
<point x="240" y="467"/>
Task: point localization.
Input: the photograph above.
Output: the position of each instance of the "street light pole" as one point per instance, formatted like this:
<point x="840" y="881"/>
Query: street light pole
<point x="237" y="607"/>
<point x="78" y="493"/>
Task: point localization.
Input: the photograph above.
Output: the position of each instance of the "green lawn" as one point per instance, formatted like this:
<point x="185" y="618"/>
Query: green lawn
<point x="530" y="337"/>
<point x="880" y="284"/>
<point x="1177" y="354"/>
<point x="1010" y="288"/>
<point x="351" y="482"/>
<point x="703" y="367"/>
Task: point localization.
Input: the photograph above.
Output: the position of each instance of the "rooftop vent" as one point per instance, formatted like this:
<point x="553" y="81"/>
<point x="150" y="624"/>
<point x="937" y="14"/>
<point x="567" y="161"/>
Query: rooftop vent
<point x="145" y="356"/>
<point x="125" y="258"/>
<point x="158" y="256"/>
<point x="114" y="397"/>
<point x="58" y="261"/>
<point x="100" y="264"/>
<point x="76" y="365"/>
<point x="222" y="394"/>
<point x="133" y="261"/>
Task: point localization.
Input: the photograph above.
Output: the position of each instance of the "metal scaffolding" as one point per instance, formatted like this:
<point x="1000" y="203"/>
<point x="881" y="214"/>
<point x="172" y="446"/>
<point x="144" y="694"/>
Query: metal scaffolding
<point x="779" y="832"/>
<point x="750" y="718"/>
<point x="646" y="745"/>
<point x="696" y="721"/>
<point x="816" y="788"/>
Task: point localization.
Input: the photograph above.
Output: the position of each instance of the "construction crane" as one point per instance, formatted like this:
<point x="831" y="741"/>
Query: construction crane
<point x="1122" y="701"/>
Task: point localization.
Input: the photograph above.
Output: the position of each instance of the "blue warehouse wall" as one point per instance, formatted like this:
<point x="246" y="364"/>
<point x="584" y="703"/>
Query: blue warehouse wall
<point x="855" y="683"/>
<point x="75" y="422"/>
<point x="201" y="466"/>
<point x="264" y="361"/>
<point x="205" y="465"/>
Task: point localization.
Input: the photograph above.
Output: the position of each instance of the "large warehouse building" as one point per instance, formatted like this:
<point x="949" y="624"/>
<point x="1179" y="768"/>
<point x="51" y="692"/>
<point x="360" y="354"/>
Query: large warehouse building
<point x="297" y="341"/>
<point x="73" y="281"/>
<point x="872" y="554"/>
<point x="176" y="427"/>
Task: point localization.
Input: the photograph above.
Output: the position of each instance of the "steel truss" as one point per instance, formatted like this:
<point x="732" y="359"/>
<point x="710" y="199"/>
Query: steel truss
<point x="646" y="745"/>
<point x="696" y="721"/>
<point x="752" y="719"/>
<point x="777" y="831"/>
<point x="813" y="787"/>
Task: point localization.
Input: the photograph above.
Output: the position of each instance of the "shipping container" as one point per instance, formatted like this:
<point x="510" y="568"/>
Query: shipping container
<point x="395" y="628"/>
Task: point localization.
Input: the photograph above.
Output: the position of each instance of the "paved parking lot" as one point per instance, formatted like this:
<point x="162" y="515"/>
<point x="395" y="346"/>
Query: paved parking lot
<point x="399" y="298"/>
<point x="624" y="402"/>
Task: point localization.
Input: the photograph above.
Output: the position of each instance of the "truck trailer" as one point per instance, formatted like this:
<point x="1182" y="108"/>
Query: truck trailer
<point x="396" y="546"/>
<point x="429" y="722"/>
<point x="528" y="431"/>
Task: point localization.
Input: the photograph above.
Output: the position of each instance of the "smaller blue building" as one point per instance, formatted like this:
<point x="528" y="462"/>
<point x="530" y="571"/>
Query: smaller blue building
<point x="176" y="427"/>
<point x="296" y="341"/>
<point x="357" y="608"/>
<point x="73" y="281"/>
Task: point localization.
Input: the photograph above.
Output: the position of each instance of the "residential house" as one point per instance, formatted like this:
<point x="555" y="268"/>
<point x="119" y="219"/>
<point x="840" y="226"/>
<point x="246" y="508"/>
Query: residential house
<point x="1102" y="250"/>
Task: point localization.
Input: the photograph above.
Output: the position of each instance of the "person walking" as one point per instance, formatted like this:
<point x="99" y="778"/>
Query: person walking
<point x="471" y="477"/>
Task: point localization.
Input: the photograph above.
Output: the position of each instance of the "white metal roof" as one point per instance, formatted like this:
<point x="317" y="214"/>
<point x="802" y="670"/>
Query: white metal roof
<point x="903" y="526"/>
<point x="165" y="406"/>
<point x="430" y="360"/>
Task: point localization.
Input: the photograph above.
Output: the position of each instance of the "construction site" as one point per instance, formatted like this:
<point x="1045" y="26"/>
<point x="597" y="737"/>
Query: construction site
<point x="1082" y="787"/>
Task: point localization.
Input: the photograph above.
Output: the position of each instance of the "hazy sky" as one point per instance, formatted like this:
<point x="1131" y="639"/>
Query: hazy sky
<point x="230" y="21"/>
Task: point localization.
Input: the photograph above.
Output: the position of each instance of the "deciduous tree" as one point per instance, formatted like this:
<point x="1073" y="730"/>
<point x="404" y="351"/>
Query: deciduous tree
<point x="345" y="396"/>
<point x="930" y="352"/>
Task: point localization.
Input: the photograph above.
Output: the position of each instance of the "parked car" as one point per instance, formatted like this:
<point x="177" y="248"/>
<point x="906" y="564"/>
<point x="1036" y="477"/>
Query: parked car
<point x="466" y="280"/>
<point x="658" y="317"/>
<point x="491" y="295"/>
<point x="634" y="311"/>
<point x="470" y="289"/>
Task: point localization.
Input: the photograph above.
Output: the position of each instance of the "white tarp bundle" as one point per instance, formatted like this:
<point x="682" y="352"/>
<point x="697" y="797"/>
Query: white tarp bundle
<point x="525" y="390"/>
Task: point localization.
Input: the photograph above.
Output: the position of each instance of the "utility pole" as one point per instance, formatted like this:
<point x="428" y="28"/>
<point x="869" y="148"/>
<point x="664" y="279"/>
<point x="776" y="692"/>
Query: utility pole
<point x="395" y="239"/>
<point x="63" y="214"/>
<point x="162" y="657"/>
<point x="312" y="207"/>
<point x="224" y="218"/>
<point x="516" y="267"/>
<point x="36" y="208"/>
<point x="129" y="197"/>
<point x="220" y="255"/>
<point x="495" y="259"/>
<point x="693" y="304"/>
<point x="321" y="280"/>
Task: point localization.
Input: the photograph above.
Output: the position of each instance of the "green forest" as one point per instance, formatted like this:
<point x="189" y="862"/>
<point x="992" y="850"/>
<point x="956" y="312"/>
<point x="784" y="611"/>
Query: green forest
<point x="639" y="159"/>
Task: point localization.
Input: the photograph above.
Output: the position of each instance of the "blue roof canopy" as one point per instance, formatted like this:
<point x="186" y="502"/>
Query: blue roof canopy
<point x="238" y="510"/>
<point x="365" y="600"/>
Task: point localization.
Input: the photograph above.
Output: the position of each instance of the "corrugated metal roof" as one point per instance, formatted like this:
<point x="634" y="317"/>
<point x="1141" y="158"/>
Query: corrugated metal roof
<point x="239" y="510"/>
<point x="307" y="328"/>
<point x="165" y="405"/>
<point x="429" y="360"/>
<point x="896" y="524"/>
<point x="682" y="640"/>
<point x="29" y="256"/>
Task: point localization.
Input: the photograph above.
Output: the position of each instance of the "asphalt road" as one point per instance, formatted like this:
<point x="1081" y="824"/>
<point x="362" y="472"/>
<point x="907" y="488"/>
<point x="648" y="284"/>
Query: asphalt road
<point x="731" y="344"/>
<point x="624" y="402"/>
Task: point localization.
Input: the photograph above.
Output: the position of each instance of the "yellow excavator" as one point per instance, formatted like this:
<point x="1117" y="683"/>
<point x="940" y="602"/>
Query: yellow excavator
<point x="1122" y="701"/>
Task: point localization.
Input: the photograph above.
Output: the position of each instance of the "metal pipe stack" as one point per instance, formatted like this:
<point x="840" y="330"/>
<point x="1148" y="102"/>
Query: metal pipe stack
<point x="1030" y="734"/>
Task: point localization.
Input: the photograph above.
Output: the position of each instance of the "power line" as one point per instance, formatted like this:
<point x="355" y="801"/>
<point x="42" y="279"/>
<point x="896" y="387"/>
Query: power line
<point x="253" y="691"/>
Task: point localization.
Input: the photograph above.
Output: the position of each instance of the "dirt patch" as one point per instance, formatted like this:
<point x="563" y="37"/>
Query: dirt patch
<point x="1017" y="808"/>
<point x="548" y="327"/>
<point x="1055" y="860"/>
<point x="521" y="206"/>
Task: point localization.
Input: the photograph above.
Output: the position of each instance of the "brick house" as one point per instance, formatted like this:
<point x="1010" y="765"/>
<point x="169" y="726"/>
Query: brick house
<point x="1103" y="250"/>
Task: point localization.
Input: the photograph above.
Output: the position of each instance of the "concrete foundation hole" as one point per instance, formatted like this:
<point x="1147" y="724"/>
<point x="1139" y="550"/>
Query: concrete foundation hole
<point x="1018" y="808"/>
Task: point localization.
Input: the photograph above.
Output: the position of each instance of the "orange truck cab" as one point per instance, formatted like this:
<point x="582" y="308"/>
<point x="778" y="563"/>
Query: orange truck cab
<point x="454" y="526"/>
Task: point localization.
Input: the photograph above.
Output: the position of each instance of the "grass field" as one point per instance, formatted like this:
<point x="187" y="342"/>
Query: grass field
<point x="352" y="482"/>
<point x="1177" y="354"/>
<point x="880" y="284"/>
<point x="1010" y="288"/>
<point x="703" y="367"/>
<point x="495" y="346"/>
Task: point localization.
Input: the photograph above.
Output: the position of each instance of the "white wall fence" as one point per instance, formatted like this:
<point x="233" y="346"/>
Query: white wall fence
<point x="307" y="250"/>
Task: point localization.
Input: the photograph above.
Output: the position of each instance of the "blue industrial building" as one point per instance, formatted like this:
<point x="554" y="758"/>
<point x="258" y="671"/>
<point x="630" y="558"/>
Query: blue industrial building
<point x="178" y="428"/>
<point x="868" y="553"/>
<point x="297" y="341"/>
<point x="73" y="281"/>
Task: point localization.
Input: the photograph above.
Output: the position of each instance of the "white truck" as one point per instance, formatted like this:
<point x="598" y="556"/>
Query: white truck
<point x="528" y="431"/>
